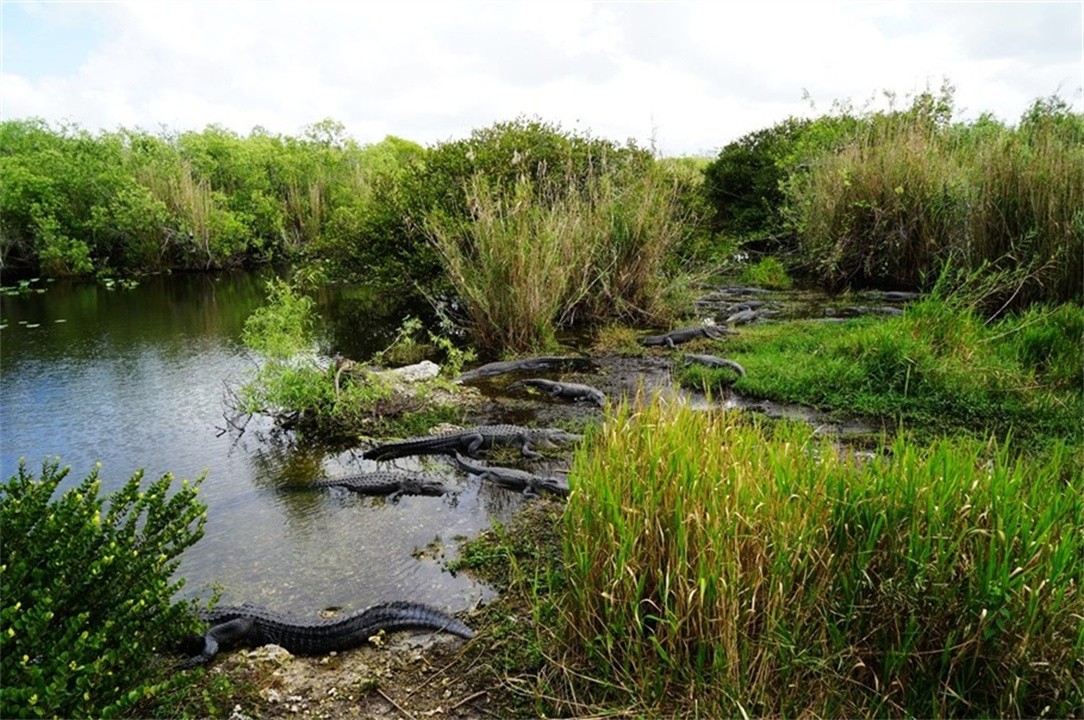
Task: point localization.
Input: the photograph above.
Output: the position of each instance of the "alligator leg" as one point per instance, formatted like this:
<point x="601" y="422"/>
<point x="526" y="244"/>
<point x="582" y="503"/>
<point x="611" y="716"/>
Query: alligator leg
<point x="222" y="634"/>
<point x="527" y="452"/>
<point x="473" y="444"/>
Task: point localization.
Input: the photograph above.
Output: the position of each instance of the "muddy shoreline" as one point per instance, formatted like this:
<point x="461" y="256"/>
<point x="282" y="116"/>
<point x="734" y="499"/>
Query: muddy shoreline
<point x="424" y="674"/>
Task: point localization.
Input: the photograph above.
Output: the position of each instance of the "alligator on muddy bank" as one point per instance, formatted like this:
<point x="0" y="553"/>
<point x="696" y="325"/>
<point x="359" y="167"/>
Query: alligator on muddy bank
<point x="386" y="482"/>
<point x="253" y="626"/>
<point x="564" y="390"/>
<point x="511" y="479"/>
<point x="712" y="361"/>
<point x="527" y="365"/>
<point x="684" y="335"/>
<point x="471" y="440"/>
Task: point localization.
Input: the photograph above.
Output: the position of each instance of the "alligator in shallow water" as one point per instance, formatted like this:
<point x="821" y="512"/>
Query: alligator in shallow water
<point x="471" y="440"/>
<point x="747" y="305"/>
<point x="713" y="361"/>
<point x="683" y="335"/>
<point x="511" y="479"/>
<point x="565" y="390"/>
<point x="747" y="316"/>
<point x="387" y="482"/>
<point x="527" y="365"/>
<point x="859" y="310"/>
<point x="253" y="626"/>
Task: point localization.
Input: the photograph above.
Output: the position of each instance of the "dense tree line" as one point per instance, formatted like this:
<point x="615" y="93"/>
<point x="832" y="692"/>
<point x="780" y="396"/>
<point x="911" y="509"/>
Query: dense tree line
<point x="859" y="198"/>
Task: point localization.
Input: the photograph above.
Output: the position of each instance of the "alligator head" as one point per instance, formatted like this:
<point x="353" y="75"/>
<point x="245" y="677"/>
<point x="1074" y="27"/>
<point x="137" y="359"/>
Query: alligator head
<point x="424" y="487"/>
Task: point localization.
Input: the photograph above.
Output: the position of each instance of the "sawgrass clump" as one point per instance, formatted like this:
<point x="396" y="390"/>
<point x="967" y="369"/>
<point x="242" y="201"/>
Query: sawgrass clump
<point x="541" y="255"/>
<point x="721" y="567"/>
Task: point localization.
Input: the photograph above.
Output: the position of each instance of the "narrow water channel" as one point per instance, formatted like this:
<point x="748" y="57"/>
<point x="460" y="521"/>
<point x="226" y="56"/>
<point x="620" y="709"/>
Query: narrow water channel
<point x="135" y="378"/>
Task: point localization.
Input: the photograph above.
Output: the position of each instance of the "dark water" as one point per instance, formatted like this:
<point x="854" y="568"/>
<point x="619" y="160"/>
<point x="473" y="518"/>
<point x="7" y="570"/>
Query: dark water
<point x="135" y="379"/>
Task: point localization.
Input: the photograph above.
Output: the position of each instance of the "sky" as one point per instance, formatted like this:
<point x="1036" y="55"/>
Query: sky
<point x="683" y="77"/>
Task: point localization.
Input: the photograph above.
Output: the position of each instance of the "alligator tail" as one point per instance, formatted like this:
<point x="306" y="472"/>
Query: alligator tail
<point x="400" y="615"/>
<point x="405" y="448"/>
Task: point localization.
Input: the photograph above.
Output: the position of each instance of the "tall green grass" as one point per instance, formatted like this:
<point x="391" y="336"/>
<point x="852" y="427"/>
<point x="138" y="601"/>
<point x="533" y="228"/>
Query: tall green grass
<point x="719" y="567"/>
<point x="541" y="255"/>
<point x="911" y="190"/>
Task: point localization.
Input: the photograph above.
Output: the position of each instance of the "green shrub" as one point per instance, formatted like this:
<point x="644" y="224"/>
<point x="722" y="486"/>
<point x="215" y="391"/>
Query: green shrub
<point x="86" y="591"/>
<point x="743" y="184"/>
<point x="77" y="203"/>
<point x="332" y="402"/>
<point x="767" y="272"/>
<point x="730" y="569"/>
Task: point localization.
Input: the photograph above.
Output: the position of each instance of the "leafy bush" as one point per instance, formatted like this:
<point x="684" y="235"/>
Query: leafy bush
<point x="743" y="184"/>
<point x="77" y="203"/>
<point x="86" y="591"/>
<point x="333" y="401"/>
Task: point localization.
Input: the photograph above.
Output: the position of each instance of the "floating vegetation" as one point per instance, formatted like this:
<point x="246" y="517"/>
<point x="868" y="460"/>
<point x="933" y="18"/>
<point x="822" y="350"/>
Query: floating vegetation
<point x="122" y="283"/>
<point x="23" y="287"/>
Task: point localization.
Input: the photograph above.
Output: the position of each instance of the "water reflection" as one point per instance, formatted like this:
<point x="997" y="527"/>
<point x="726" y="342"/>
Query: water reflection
<point x="135" y="379"/>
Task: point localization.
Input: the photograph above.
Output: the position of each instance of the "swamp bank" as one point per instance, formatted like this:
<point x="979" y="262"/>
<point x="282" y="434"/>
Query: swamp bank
<point x="716" y="544"/>
<point x="839" y="479"/>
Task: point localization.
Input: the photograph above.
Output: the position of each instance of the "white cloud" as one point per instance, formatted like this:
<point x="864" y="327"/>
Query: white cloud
<point x="697" y="74"/>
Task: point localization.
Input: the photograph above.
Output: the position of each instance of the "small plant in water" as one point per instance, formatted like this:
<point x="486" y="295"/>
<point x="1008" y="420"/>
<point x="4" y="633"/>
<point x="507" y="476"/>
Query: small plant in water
<point x="767" y="272"/>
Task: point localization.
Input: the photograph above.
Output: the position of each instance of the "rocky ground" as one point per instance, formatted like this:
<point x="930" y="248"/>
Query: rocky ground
<point x="406" y="675"/>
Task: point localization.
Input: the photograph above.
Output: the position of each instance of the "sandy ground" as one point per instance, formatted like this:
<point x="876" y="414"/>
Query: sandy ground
<point x="407" y="675"/>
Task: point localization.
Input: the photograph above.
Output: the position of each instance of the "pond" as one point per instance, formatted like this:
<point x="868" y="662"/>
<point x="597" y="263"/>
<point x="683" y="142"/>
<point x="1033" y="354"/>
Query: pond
<point x="136" y="379"/>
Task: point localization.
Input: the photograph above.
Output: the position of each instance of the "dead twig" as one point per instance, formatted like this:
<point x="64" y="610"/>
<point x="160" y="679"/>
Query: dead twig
<point x="472" y="696"/>
<point x="394" y="704"/>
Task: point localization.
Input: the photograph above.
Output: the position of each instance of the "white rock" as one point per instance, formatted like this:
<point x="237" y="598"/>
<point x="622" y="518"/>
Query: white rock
<point x="425" y="370"/>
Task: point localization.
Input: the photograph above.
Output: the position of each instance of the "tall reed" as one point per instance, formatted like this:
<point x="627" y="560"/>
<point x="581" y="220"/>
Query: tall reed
<point x="1026" y="202"/>
<point x="542" y="254"/>
<point x="518" y="264"/>
<point x="730" y="569"/>
<point x="907" y="193"/>
<point x="885" y="208"/>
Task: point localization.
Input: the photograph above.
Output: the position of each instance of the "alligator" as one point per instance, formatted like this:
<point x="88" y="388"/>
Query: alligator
<point x="859" y="310"/>
<point x="471" y="440"/>
<point x="715" y="362"/>
<point x="511" y="479"/>
<point x="527" y="365"/>
<point x="565" y="391"/>
<point x="386" y="482"/>
<point x="742" y="317"/>
<point x="253" y="626"/>
<point x="747" y="305"/>
<point x="675" y="337"/>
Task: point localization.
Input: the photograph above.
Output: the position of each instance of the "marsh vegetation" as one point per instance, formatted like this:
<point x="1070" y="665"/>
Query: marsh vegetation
<point x="706" y="563"/>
